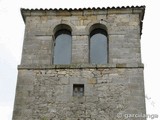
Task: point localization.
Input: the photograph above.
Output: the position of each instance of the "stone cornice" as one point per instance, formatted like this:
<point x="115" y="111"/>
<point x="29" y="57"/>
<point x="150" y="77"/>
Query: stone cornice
<point x="80" y="66"/>
<point x="83" y="11"/>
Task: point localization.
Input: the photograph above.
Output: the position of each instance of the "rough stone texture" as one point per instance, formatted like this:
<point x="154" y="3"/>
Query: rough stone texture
<point x="48" y="94"/>
<point x="123" y="35"/>
<point x="45" y="91"/>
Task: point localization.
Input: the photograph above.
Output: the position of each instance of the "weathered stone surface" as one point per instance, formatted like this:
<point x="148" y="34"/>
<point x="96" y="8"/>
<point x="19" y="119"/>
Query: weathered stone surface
<point x="123" y="34"/>
<point x="45" y="91"/>
<point x="110" y="93"/>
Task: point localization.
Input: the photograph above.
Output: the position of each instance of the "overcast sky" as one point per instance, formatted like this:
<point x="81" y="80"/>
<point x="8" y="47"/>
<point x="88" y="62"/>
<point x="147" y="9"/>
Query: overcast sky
<point x="11" y="40"/>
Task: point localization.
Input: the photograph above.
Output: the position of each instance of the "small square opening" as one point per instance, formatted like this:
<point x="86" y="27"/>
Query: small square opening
<point x="78" y="89"/>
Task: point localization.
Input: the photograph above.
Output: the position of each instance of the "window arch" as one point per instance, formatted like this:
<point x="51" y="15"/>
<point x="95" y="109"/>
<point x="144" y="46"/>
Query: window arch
<point x="98" y="46"/>
<point x="62" y="47"/>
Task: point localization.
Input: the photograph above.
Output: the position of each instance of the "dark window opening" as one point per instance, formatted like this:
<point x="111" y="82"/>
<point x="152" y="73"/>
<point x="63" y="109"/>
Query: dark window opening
<point x="98" y="47"/>
<point x="78" y="90"/>
<point x="62" y="47"/>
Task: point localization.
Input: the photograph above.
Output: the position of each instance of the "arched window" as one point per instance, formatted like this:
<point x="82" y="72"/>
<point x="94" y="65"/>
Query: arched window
<point x="98" y="46"/>
<point x="62" y="47"/>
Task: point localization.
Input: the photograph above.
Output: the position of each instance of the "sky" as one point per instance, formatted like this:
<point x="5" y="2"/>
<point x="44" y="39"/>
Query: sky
<point x="11" y="42"/>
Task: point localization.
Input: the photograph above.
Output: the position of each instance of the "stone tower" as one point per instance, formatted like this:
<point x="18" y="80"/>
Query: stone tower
<point x="81" y="64"/>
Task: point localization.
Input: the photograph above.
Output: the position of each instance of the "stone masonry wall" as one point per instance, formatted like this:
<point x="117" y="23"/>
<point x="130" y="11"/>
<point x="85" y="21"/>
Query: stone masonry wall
<point x="48" y="94"/>
<point x="45" y="91"/>
<point x="123" y="35"/>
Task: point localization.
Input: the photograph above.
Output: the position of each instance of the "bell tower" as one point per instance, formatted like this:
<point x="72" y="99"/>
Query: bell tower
<point x="81" y="64"/>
